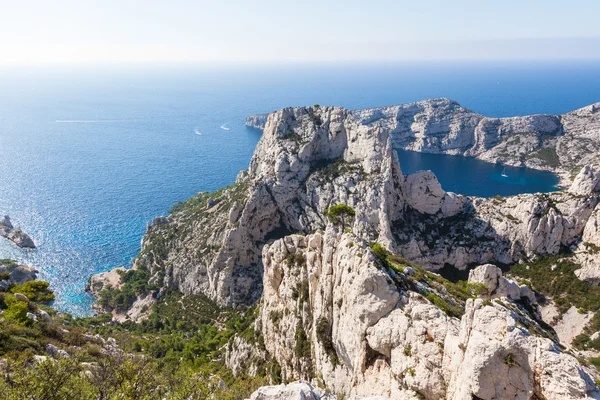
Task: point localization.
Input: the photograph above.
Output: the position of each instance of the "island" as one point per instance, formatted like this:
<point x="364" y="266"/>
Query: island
<point x="16" y="235"/>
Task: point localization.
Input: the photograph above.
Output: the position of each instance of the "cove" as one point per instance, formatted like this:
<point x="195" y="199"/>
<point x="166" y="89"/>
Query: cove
<point x="473" y="177"/>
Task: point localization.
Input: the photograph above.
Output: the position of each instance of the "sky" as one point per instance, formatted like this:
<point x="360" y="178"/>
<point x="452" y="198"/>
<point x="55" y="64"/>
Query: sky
<point x="250" y="31"/>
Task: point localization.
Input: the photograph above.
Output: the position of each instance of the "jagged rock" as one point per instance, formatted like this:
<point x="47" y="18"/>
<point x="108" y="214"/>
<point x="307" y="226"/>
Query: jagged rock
<point x="307" y="160"/>
<point x="16" y="235"/>
<point x="241" y="357"/>
<point x="498" y="286"/>
<point x="396" y="344"/>
<point x="496" y="358"/>
<point x="310" y="158"/>
<point x="21" y="297"/>
<point x="423" y="192"/>
<point x="55" y="352"/>
<point x="559" y="143"/>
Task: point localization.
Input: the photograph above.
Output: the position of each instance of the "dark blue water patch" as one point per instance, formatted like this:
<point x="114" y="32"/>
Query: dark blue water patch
<point x="473" y="177"/>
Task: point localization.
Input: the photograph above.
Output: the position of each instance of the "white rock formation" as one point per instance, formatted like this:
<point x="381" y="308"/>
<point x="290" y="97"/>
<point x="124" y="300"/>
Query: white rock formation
<point x="329" y="307"/>
<point x="559" y="143"/>
<point x="293" y="391"/>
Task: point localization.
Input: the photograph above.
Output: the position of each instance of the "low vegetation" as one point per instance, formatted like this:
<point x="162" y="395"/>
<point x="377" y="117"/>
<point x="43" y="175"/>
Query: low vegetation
<point x="447" y="296"/>
<point x="177" y="353"/>
<point x="555" y="277"/>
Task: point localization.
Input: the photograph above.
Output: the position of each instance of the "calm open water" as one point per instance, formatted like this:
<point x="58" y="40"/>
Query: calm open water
<point x="89" y="156"/>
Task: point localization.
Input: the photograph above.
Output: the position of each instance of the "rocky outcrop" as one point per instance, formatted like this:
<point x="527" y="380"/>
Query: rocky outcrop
<point x="366" y="325"/>
<point x="257" y="121"/>
<point x="292" y="391"/>
<point x="111" y="280"/>
<point x="12" y="273"/>
<point x="16" y="235"/>
<point x="307" y="160"/>
<point x="559" y="143"/>
<point x="330" y="307"/>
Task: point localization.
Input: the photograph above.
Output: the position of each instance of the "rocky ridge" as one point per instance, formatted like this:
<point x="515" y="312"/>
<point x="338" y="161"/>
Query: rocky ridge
<point x="557" y="143"/>
<point x="257" y="121"/>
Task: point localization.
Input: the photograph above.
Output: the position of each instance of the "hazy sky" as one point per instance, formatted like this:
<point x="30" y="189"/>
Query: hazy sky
<point x="34" y="31"/>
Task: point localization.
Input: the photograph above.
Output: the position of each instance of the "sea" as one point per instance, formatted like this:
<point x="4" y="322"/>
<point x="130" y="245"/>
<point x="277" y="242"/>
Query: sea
<point x="90" y="155"/>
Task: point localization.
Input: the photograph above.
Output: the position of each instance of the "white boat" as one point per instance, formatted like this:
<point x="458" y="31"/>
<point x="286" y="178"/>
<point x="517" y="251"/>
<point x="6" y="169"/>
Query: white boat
<point x="503" y="174"/>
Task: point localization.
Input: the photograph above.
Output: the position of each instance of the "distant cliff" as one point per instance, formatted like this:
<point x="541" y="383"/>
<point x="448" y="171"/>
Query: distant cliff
<point x="557" y="143"/>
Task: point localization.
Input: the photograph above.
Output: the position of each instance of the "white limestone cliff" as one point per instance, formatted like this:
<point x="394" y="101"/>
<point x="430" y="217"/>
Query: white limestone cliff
<point x="559" y="143"/>
<point x="330" y="308"/>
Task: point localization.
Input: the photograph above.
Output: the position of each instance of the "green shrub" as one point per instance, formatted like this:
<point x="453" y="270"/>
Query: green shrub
<point x="340" y="214"/>
<point x="35" y="291"/>
<point x="509" y="360"/>
<point x="16" y="311"/>
<point x="302" y="346"/>
<point x="324" y="337"/>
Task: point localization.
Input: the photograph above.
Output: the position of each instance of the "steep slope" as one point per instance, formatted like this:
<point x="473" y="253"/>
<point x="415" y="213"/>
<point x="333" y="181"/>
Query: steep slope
<point x="307" y="160"/>
<point x="379" y="327"/>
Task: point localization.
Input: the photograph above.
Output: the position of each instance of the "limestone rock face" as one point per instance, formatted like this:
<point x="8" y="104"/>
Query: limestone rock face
<point x="496" y="229"/>
<point x="308" y="159"/>
<point x="330" y="307"/>
<point x="498" y="359"/>
<point x="559" y="143"/>
<point x="16" y="235"/>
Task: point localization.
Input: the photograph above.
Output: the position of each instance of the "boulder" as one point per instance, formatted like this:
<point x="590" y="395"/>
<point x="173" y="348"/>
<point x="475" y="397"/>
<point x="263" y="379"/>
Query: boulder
<point x="292" y="391"/>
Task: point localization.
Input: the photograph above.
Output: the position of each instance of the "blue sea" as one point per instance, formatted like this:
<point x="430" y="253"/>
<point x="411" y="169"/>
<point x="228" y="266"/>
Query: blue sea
<point x="88" y="155"/>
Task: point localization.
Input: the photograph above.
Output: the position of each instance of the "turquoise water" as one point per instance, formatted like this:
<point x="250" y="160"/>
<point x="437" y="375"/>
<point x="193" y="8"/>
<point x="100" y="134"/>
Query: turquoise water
<point x="473" y="177"/>
<point x="89" y="156"/>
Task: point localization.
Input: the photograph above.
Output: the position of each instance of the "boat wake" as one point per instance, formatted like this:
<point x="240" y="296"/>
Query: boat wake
<point x="197" y="132"/>
<point x="224" y="127"/>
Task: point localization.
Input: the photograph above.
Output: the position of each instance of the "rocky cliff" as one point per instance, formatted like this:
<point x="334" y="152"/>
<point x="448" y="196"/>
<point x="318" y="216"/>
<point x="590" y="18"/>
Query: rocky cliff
<point x="311" y="158"/>
<point x="257" y="121"/>
<point x="370" y="327"/>
<point x="558" y="143"/>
